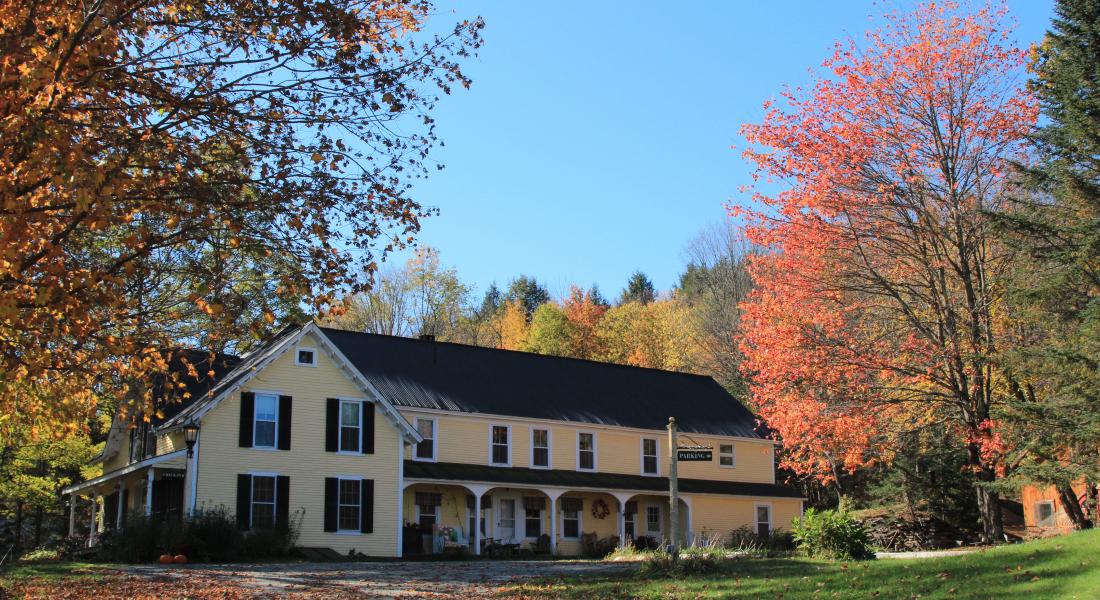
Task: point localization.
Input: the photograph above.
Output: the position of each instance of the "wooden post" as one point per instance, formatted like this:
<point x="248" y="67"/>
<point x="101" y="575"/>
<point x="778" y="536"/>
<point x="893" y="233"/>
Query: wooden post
<point x="673" y="492"/>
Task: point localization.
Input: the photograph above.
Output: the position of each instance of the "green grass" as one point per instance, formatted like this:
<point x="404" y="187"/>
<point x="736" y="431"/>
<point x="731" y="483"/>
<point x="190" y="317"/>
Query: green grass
<point x="55" y="571"/>
<point x="1063" y="567"/>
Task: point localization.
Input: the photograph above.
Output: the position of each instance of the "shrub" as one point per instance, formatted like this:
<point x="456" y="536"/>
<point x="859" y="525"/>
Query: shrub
<point x="831" y="534"/>
<point x="208" y="536"/>
<point x="692" y="561"/>
<point x="137" y="541"/>
<point x="744" y="540"/>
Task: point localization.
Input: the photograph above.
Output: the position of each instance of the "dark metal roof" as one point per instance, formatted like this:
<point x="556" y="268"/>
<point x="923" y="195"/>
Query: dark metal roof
<point x="209" y="370"/>
<point x="455" y="377"/>
<point x="574" y="479"/>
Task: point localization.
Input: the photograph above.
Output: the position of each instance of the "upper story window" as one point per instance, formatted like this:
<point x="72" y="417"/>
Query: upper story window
<point x="306" y="357"/>
<point x="586" y="451"/>
<point x="425" y="450"/>
<point x="540" y="448"/>
<point x="649" y="456"/>
<point x="351" y="425"/>
<point x="143" y="442"/>
<point x="725" y="455"/>
<point x="500" y="445"/>
<point x="267" y="421"/>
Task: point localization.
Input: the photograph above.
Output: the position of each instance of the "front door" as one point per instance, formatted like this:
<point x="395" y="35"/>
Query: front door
<point x="506" y="527"/>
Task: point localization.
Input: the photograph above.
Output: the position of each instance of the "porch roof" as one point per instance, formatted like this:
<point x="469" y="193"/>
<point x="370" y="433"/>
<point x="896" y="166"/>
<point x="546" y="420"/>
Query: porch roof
<point x="559" y="478"/>
<point x="130" y="468"/>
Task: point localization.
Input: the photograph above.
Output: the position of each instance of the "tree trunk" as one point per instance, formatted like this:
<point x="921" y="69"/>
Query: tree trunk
<point x="38" y="527"/>
<point x="1092" y="502"/>
<point x="989" y="502"/>
<point x="18" y="527"/>
<point x="1072" y="507"/>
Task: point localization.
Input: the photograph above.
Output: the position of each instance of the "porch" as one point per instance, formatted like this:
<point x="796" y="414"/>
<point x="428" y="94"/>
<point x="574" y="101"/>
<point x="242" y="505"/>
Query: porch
<point x="154" y="487"/>
<point x="530" y="519"/>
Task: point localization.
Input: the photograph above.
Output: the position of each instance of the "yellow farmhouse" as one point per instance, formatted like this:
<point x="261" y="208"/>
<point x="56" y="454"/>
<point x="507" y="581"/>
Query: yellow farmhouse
<point x="391" y="446"/>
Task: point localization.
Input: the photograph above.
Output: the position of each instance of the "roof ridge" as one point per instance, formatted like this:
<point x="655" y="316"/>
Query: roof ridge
<point x="523" y="352"/>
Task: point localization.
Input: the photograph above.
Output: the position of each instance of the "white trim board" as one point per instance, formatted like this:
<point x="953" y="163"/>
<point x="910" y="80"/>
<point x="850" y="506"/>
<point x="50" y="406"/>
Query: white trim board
<point x="277" y="350"/>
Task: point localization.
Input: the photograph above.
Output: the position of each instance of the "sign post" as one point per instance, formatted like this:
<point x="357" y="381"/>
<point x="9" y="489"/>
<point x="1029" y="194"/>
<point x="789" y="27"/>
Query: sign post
<point x="673" y="492"/>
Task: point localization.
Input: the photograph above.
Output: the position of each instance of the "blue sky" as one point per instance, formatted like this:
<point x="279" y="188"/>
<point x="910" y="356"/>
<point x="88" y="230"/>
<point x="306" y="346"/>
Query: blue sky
<point x="596" y="138"/>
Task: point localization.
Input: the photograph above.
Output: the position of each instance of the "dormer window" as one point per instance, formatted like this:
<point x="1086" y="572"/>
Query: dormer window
<point x="307" y="357"/>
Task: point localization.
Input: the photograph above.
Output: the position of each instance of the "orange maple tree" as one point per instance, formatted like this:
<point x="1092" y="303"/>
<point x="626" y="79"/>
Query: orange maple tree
<point x="875" y="311"/>
<point x="147" y="144"/>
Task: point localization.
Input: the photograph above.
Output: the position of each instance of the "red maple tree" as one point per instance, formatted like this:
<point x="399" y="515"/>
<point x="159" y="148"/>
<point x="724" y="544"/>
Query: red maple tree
<point x="876" y="307"/>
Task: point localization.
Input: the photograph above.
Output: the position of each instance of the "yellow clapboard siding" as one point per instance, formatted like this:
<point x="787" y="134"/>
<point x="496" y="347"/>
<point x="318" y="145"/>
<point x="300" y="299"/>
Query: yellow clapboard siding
<point x="306" y="463"/>
<point x="465" y="439"/>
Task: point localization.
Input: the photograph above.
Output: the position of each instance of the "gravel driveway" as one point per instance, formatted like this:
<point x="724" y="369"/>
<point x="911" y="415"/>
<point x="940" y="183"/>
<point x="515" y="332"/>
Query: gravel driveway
<point x="457" y="579"/>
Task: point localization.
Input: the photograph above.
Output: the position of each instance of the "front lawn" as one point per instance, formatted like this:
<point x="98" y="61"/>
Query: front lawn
<point x="1063" y="567"/>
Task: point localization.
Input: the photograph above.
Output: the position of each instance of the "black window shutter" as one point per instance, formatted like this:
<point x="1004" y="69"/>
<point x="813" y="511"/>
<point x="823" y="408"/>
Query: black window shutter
<point x="368" y="428"/>
<point x="366" y="506"/>
<point x="285" y="403"/>
<point x="248" y="413"/>
<point x="332" y="425"/>
<point x="244" y="501"/>
<point x="331" y="485"/>
<point x="282" y="501"/>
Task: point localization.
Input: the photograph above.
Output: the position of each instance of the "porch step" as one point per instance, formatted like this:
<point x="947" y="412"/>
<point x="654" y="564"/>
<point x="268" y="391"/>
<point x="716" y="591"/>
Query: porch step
<point x="321" y="554"/>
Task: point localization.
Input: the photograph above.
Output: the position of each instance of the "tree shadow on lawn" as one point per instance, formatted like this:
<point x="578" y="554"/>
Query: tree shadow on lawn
<point x="1040" y="573"/>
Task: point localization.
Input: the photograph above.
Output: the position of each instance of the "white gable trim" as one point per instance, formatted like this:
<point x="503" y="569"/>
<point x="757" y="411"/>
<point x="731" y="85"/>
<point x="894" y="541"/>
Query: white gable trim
<point x="280" y="348"/>
<point x="399" y="420"/>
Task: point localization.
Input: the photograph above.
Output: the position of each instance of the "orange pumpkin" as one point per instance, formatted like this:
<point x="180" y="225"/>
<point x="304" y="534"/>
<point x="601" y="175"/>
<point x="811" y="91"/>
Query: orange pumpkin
<point x="165" y="559"/>
<point x="180" y="559"/>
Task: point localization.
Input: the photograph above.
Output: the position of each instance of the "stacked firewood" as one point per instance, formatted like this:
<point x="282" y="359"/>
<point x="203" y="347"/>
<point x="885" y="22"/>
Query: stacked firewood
<point x="908" y="533"/>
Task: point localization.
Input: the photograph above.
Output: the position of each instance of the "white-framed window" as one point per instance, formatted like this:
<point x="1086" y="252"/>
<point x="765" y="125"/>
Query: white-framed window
<point x="571" y="517"/>
<point x="649" y="457"/>
<point x="349" y="505"/>
<point x="425" y="450"/>
<point x="763" y="514"/>
<point x="653" y="519"/>
<point x="351" y="425"/>
<point x="628" y="525"/>
<point x="263" y="501"/>
<point x="726" y="457"/>
<point x="540" y="448"/>
<point x="265" y="429"/>
<point x="306" y="357"/>
<point x="427" y="516"/>
<point x="586" y="451"/>
<point x="532" y="522"/>
<point x="500" y="445"/>
<point x="1044" y="513"/>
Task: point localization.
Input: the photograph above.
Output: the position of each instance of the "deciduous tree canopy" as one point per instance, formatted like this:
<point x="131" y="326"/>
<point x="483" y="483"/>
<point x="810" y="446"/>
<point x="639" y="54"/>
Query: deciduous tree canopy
<point x="155" y="142"/>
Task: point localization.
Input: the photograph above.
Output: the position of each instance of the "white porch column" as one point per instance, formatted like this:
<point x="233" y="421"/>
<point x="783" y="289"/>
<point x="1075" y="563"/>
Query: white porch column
<point x="478" y="491"/>
<point x="72" y="514"/>
<point x="623" y="499"/>
<point x="689" y="533"/>
<point x="191" y="479"/>
<point x="121" y="509"/>
<point x="149" y="492"/>
<point x="93" y="530"/>
<point x="553" y="494"/>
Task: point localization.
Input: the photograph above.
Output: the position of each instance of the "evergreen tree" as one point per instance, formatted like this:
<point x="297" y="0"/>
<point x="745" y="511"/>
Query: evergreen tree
<point x="638" y="289"/>
<point x="596" y="297"/>
<point x="529" y="293"/>
<point x="1056" y="226"/>
<point x="492" y="301"/>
